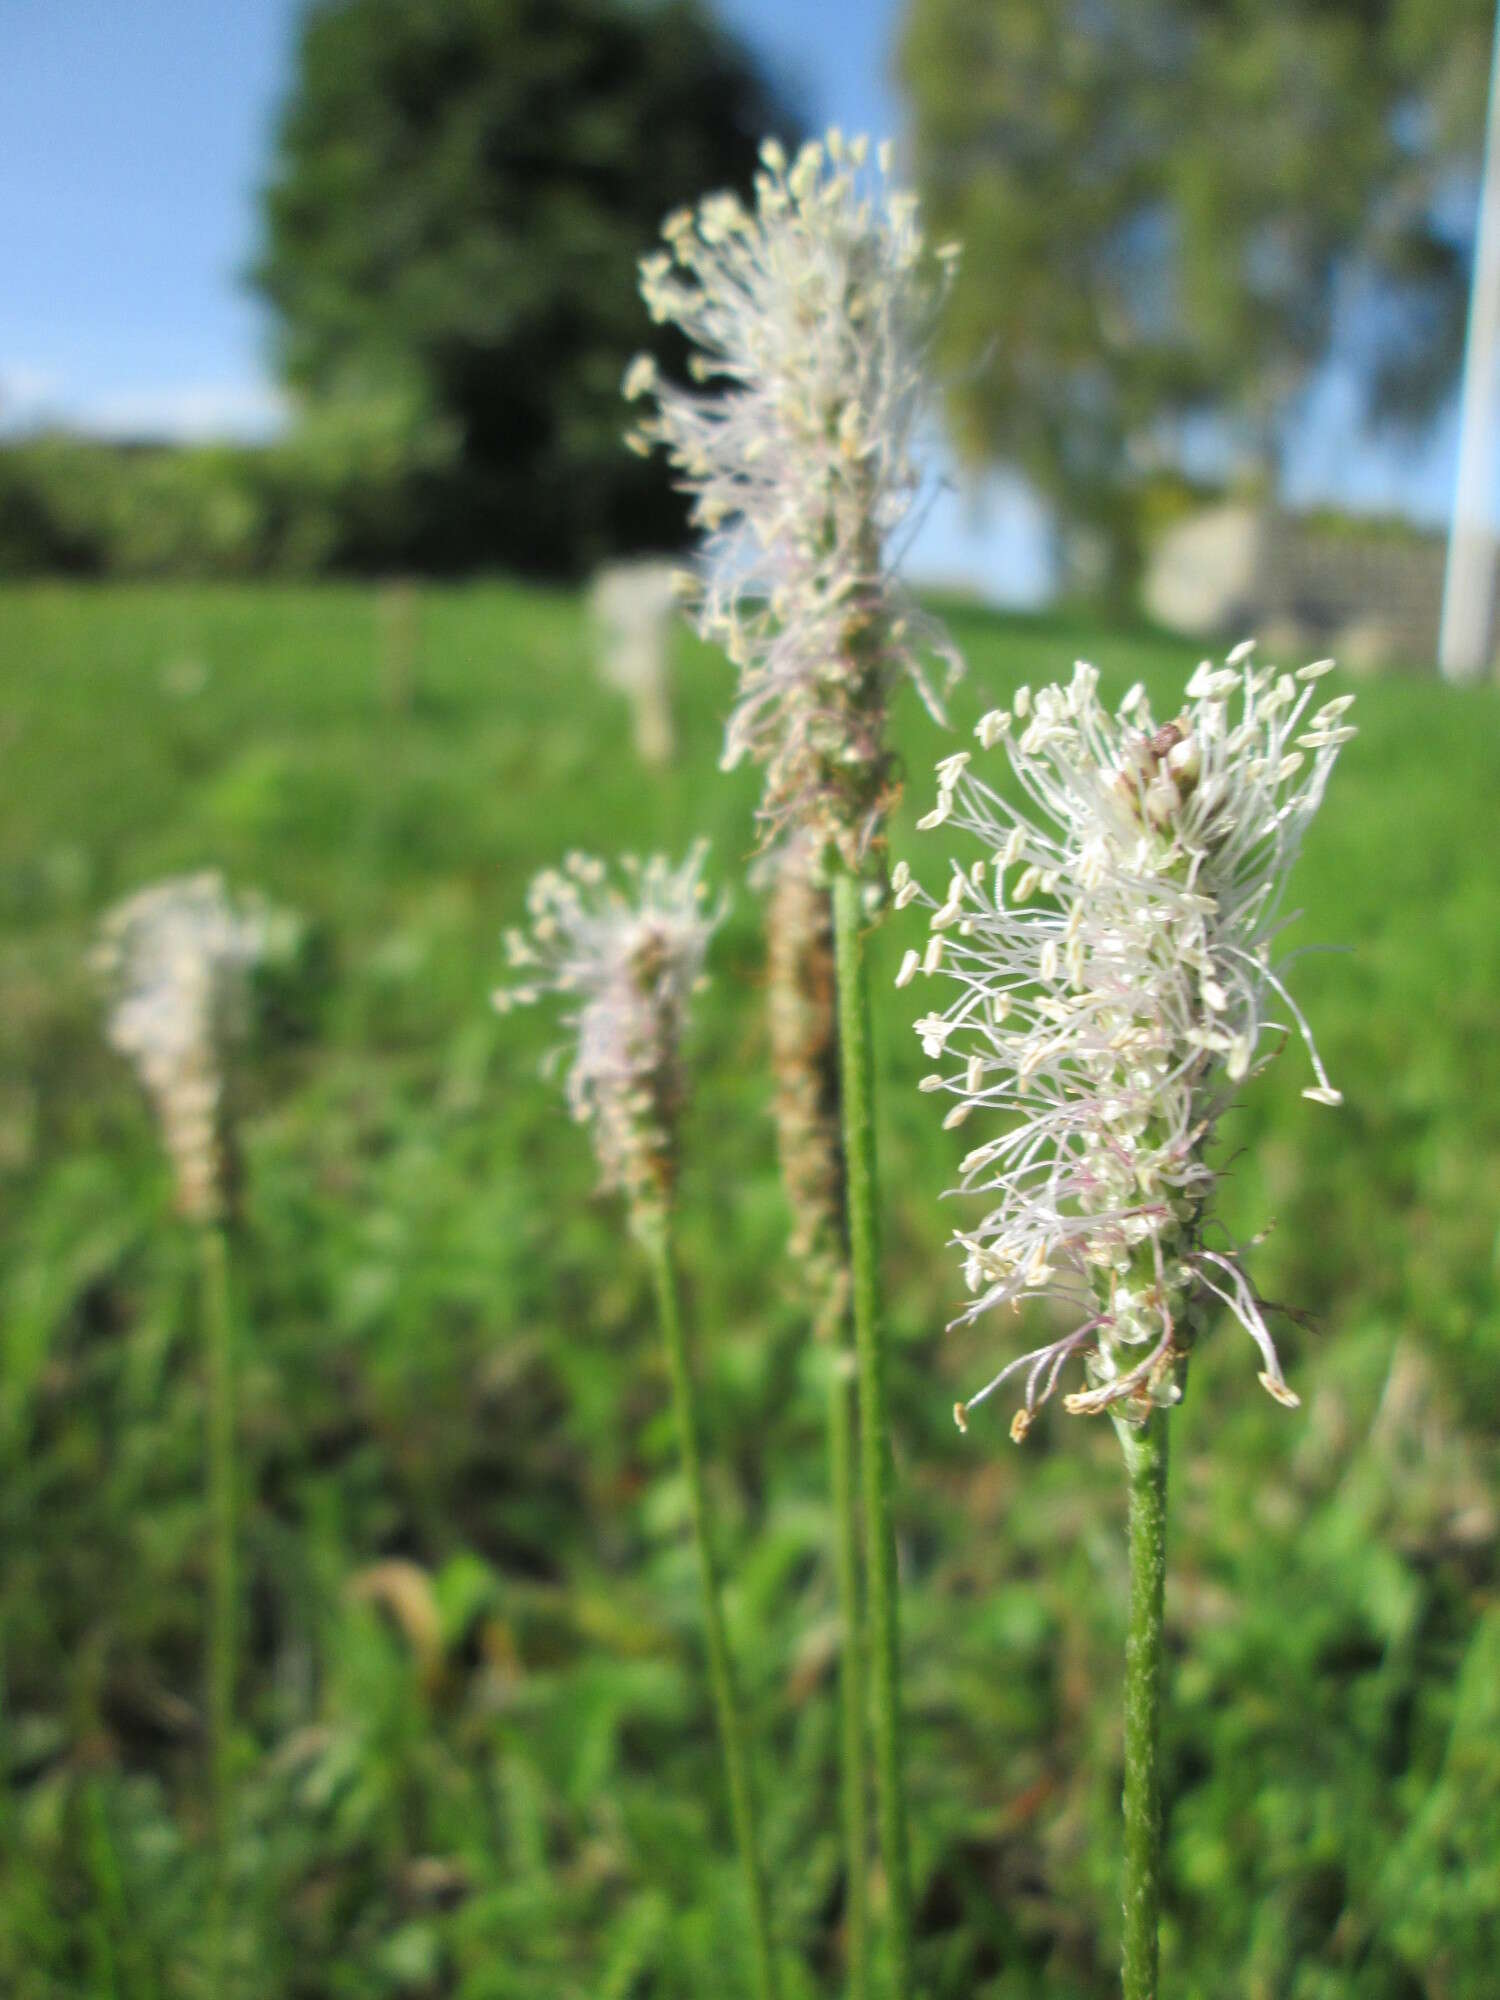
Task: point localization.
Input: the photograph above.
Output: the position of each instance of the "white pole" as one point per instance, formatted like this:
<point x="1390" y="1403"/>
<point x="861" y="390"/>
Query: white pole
<point x="1468" y="582"/>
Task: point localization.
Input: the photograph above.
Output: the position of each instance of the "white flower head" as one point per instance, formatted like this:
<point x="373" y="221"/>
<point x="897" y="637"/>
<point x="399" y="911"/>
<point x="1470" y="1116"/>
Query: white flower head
<point x="177" y="961"/>
<point x="1110" y="958"/>
<point x="808" y="315"/>
<point x="626" y="956"/>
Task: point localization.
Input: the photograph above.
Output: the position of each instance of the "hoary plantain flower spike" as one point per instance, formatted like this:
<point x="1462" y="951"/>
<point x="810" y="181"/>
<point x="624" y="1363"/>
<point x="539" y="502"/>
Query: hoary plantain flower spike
<point x="627" y="957"/>
<point x="177" y="961"/>
<point x="1109" y="953"/>
<point x="809" y="316"/>
<point x="804" y="1058"/>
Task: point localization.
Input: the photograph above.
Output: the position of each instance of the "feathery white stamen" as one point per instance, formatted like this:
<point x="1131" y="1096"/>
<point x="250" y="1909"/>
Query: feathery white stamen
<point x="809" y="314"/>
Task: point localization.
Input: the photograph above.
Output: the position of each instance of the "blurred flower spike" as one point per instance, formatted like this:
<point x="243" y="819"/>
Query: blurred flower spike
<point x="1110" y="956"/>
<point x="627" y="956"/>
<point x="178" y="960"/>
<point x="809" y="316"/>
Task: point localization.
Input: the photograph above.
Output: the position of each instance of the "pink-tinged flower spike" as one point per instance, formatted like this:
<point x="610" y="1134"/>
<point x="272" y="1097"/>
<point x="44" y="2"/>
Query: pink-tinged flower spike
<point x="627" y="956"/>
<point x="177" y="961"/>
<point x="1111" y="951"/>
<point x="809" y="316"/>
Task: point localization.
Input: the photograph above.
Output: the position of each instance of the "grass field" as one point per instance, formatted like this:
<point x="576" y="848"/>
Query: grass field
<point x="476" y="1751"/>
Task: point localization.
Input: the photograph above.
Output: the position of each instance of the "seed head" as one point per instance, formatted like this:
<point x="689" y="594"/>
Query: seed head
<point x="627" y="957"/>
<point x="177" y="961"/>
<point x="804" y="1055"/>
<point x="1110" y="957"/>
<point x="809" y="316"/>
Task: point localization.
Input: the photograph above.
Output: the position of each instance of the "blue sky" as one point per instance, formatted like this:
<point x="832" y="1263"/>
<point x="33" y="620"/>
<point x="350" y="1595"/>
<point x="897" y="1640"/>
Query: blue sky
<point x="132" y="137"/>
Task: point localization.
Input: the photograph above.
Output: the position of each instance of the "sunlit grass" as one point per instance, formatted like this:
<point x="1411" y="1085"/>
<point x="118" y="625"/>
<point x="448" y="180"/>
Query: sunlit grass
<point x="507" y="1789"/>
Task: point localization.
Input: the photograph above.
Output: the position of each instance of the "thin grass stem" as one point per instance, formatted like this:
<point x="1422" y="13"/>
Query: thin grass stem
<point x="655" y="1234"/>
<point x="843" y="1479"/>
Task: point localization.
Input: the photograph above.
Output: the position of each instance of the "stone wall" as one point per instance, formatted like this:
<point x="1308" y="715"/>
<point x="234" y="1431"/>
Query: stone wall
<point x="1372" y="597"/>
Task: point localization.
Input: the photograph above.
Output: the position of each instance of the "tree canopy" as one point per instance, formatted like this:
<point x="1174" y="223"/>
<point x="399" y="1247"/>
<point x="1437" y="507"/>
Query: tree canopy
<point x="1170" y="207"/>
<point x="459" y="196"/>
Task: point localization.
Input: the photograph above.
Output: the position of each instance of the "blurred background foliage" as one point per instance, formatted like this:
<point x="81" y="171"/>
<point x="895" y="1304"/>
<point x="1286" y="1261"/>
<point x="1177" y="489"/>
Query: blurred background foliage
<point x="453" y="214"/>
<point x="1175" y="215"/>
<point x="458" y="204"/>
<point x="476" y="1753"/>
<point x="1171" y="210"/>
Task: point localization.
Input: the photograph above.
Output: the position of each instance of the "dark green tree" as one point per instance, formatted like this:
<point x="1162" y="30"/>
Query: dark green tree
<point x="1165" y="203"/>
<point x="460" y="193"/>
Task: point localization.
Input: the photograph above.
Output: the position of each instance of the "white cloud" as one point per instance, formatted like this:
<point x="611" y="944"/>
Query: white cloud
<point x="185" y="411"/>
<point x="188" y="410"/>
<point x="27" y="394"/>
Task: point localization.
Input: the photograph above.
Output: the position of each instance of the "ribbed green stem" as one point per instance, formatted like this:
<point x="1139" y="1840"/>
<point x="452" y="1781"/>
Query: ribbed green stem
<point x="5" y="1750"/>
<point x="843" y="1483"/>
<point x="654" y="1232"/>
<point x="856" y="1075"/>
<point x="218" y="1333"/>
<point x="1146" y="1473"/>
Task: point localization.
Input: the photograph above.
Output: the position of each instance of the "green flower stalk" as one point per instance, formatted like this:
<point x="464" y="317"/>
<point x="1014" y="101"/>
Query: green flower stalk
<point x="629" y="957"/>
<point x="1145" y="1447"/>
<point x="809" y="316"/>
<point x="178" y="961"/>
<point x="1109" y="953"/>
<point x="877" y="1471"/>
<point x="805" y="1062"/>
